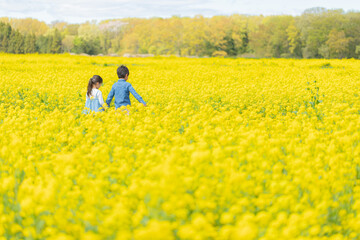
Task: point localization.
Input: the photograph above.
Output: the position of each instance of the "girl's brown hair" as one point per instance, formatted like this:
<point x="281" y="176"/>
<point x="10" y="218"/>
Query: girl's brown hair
<point x="95" y="79"/>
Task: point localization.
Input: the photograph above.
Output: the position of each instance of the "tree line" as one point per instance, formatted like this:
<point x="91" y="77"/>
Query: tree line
<point x="317" y="33"/>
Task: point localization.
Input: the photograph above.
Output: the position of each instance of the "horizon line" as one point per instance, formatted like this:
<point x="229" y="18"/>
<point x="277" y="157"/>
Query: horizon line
<point x="99" y="20"/>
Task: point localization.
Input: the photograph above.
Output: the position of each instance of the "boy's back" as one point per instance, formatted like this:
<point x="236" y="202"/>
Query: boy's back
<point x="122" y="89"/>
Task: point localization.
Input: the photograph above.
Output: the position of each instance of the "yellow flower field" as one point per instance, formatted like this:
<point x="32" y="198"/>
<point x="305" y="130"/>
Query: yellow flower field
<point x="226" y="149"/>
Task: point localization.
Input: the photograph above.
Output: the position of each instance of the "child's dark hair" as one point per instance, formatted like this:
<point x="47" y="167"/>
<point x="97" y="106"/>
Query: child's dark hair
<point x="122" y="71"/>
<point x="95" y="79"/>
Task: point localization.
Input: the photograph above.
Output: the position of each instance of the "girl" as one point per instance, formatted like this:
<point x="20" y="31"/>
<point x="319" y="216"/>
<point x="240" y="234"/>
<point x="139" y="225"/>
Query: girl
<point x="94" y="99"/>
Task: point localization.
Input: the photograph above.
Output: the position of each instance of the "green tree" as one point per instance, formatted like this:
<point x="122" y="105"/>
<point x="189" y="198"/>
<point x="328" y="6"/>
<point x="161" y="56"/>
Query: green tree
<point x="43" y="44"/>
<point x="79" y="45"/>
<point x="55" y="46"/>
<point x="324" y="51"/>
<point x="338" y="44"/>
<point x="316" y="24"/>
<point x="30" y="43"/>
<point x="68" y="43"/>
<point x="294" y="40"/>
<point x="279" y="45"/>
<point x="351" y="27"/>
<point x="72" y="29"/>
<point x="16" y="42"/>
<point x="91" y="47"/>
<point x="5" y="32"/>
<point x="196" y="33"/>
<point x="357" y="51"/>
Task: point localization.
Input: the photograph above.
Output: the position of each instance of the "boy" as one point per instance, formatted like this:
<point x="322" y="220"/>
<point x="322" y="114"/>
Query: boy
<point x="122" y="89"/>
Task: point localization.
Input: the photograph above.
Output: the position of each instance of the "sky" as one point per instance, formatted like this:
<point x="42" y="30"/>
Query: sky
<point x="78" y="11"/>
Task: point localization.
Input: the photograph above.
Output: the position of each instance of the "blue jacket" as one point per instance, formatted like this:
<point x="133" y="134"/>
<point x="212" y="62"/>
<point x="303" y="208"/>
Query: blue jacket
<point x="121" y="90"/>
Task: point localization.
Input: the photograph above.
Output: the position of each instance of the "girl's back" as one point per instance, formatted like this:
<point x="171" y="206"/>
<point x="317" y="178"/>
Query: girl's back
<point x="94" y="98"/>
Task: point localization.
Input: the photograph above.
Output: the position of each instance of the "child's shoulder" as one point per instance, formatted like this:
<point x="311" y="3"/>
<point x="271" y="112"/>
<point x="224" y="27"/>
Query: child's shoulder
<point x="121" y="84"/>
<point x="96" y="92"/>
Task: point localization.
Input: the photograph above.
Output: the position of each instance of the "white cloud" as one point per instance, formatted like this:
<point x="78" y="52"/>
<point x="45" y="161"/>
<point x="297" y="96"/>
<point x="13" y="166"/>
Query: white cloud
<point x="83" y="10"/>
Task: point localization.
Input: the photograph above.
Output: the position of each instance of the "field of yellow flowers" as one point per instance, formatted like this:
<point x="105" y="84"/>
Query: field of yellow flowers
<point x="226" y="149"/>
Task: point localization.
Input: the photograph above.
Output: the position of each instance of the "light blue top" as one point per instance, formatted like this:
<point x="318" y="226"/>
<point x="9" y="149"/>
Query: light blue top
<point x="121" y="90"/>
<point x="94" y="102"/>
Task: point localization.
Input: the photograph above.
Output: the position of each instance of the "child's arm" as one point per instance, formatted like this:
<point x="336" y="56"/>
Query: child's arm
<point x="101" y="99"/>
<point x="110" y="96"/>
<point x="136" y="95"/>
